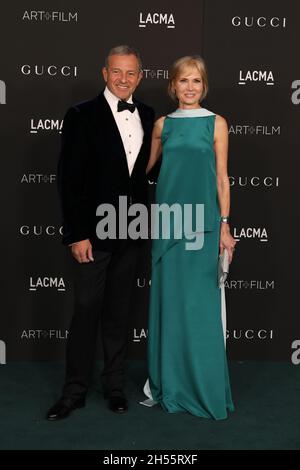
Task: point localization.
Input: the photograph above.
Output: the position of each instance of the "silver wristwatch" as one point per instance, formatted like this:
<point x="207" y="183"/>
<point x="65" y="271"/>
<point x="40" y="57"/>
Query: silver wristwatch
<point x="225" y="220"/>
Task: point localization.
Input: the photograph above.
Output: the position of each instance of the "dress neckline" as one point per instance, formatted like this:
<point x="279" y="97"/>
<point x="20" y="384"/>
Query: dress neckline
<point x="190" y="113"/>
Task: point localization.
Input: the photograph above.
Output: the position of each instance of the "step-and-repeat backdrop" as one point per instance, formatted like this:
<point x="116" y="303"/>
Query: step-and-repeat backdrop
<point x="52" y="53"/>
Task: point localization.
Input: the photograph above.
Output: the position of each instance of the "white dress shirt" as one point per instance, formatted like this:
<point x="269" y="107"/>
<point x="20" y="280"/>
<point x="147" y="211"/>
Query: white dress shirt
<point x="130" y="128"/>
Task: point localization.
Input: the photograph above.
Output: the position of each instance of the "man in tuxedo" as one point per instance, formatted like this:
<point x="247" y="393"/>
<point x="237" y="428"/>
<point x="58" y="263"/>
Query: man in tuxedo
<point x="105" y="149"/>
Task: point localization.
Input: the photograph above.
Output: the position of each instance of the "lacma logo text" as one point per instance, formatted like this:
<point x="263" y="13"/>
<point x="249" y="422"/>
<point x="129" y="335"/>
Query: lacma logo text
<point x="166" y="19"/>
<point x="138" y="335"/>
<point x="47" y="282"/>
<point x="262" y="76"/>
<point x="251" y="232"/>
<point x="37" y="125"/>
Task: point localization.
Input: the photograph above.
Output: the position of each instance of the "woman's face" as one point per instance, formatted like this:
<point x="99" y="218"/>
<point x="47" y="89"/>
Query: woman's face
<point x="188" y="86"/>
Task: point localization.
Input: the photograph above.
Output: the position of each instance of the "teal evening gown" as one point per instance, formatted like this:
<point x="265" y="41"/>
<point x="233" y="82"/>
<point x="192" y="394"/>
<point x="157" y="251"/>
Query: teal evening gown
<point x="186" y="352"/>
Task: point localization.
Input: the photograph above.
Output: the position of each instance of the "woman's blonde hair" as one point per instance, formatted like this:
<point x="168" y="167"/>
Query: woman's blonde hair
<point x="188" y="61"/>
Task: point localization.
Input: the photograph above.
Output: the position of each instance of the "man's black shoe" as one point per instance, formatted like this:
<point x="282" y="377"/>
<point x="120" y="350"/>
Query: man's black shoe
<point x="118" y="404"/>
<point x="64" y="407"/>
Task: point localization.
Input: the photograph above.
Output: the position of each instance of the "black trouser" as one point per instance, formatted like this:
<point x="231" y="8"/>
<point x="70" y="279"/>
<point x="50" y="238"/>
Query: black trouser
<point x="103" y="291"/>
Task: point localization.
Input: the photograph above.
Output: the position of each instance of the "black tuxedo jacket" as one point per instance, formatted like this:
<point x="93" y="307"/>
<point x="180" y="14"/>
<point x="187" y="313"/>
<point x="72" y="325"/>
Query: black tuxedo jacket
<point x="93" y="169"/>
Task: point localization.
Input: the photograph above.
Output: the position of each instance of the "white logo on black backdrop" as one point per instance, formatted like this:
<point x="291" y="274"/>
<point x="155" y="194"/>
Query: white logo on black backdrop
<point x="257" y="233"/>
<point x="54" y="16"/>
<point x="249" y="334"/>
<point x="258" y="22"/>
<point x="296" y="354"/>
<point x="50" y="70"/>
<point x="38" y="178"/>
<point x="44" y="334"/>
<point x="39" y="230"/>
<point x="162" y="19"/>
<point x="262" y="76"/>
<point x="296" y="94"/>
<point x="156" y="74"/>
<point x="2" y="92"/>
<point x="38" y="125"/>
<point x="253" y="284"/>
<point x="233" y="284"/>
<point x="139" y="334"/>
<point x="2" y="352"/>
<point x="142" y="282"/>
<point x="47" y="282"/>
<point x="254" y="129"/>
<point x="254" y="181"/>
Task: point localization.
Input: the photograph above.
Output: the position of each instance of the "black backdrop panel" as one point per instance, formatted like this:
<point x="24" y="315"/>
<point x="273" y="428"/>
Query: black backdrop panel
<point x="52" y="57"/>
<point x="249" y="48"/>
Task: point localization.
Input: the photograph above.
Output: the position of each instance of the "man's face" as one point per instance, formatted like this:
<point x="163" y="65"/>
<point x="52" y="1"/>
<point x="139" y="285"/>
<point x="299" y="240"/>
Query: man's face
<point x="122" y="75"/>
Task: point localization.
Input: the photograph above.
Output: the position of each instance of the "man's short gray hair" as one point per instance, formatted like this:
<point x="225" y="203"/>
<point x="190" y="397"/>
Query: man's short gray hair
<point x="123" y="50"/>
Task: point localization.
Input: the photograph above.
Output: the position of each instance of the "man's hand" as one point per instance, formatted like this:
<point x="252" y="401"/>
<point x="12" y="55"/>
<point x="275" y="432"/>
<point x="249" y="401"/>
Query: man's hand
<point x="82" y="251"/>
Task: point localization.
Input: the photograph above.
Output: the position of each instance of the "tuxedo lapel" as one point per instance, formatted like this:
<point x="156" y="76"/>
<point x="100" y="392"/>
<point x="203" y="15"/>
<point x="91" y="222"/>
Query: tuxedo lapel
<point x="109" y="132"/>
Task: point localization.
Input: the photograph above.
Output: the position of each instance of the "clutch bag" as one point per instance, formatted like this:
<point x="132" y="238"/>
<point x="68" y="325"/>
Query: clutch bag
<point x="223" y="268"/>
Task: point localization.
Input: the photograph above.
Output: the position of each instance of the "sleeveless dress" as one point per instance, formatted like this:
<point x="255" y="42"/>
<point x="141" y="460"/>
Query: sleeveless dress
<point x="186" y="352"/>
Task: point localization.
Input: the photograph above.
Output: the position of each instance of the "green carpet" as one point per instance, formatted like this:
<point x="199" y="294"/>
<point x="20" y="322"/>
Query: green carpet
<point x="267" y="416"/>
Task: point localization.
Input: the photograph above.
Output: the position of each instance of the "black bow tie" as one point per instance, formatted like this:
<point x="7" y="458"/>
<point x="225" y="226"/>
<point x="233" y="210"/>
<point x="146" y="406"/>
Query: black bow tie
<point x="122" y="105"/>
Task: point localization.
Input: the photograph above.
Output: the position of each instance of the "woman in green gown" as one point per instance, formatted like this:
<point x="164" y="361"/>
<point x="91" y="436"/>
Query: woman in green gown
<point x="186" y="352"/>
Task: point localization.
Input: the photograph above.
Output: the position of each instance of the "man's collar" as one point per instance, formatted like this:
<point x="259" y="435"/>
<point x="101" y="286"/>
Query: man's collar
<point x="113" y="99"/>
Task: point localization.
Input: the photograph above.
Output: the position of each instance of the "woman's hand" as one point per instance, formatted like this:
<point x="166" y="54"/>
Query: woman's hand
<point x="227" y="241"/>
